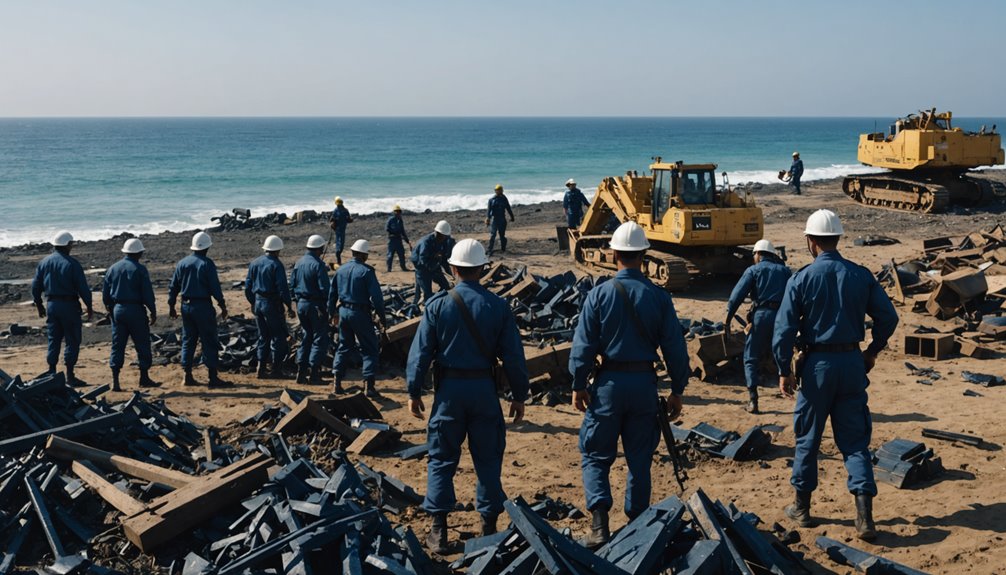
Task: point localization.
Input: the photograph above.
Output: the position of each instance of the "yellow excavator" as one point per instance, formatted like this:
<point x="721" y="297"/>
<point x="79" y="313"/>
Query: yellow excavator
<point x="693" y="225"/>
<point x="929" y="161"/>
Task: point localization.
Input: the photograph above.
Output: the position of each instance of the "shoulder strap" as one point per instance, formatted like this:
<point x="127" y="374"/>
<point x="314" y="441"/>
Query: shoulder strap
<point x="472" y="328"/>
<point x="624" y="295"/>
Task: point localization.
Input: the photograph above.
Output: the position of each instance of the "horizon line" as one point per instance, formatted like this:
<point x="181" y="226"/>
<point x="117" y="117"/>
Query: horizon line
<point x="458" y="117"/>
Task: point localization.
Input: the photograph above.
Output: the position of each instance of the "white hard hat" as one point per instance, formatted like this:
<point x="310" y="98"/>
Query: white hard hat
<point x="362" y="246"/>
<point x="629" y="237"/>
<point x="571" y="182"/>
<point x="823" y="223"/>
<point x="764" y="246"/>
<point x="272" y="244"/>
<point x="795" y="154"/>
<point x="468" y="253"/>
<point x="338" y="200"/>
<point x="316" y="241"/>
<point x="62" y="238"/>
<point x="443" y="227"/>
<point x="201" y="241"/>
<point x="132" y="246"/>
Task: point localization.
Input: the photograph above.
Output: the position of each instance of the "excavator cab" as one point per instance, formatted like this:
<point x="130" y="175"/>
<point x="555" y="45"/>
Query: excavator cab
<point x="677" y="185"/>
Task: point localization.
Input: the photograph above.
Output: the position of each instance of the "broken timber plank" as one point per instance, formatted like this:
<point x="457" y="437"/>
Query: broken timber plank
<point x="861" y="560"/>
<point x="404" y="330"/>
<point x="188" y="506"/>
<point x="308" y="409"/>
<point x="373" y="440"/>
<point x="67" y="450"/>
<point x="702" y="510"/>
<point x="109" y="492"/>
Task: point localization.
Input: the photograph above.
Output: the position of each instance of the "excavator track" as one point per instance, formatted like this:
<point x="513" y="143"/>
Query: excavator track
<point x="897" y="193"/>
<point x="665" y="270"/>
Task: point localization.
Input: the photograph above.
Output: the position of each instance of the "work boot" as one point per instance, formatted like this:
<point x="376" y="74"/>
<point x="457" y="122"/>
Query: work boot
<point x="115" y="380"/>
<point x="215" y="380"/>
<point x="436" y="541"/>
<point x="799" y="510"/>
<point x="277" y="371"/>
<point x="338" y="258"/>
<point x="337" y="386"/>
<point x="188" y="380"/>
<point x="599" y="533"/>
<point x="371" y="389"/>
<point x="865" y="529"/>
<point x="488" y="523"/>
<point x="52" y="369"/>
<point x="262" y="372"/>
<point x="145" y="380"/>
<point x="72" y="379"/>
<point x="315" y="376"/>
<point x="302" y="374"/>
<point x="752" y="406"/>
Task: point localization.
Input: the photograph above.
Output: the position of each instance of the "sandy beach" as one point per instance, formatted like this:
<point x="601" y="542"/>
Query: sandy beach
<point x="954" y="524"/>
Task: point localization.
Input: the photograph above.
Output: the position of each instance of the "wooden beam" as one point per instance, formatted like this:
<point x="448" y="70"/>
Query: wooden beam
<point x="373" y="440"/>
<point x="308" y="409"/>
<point x="404" y="330"/>
<point x="109" y="492"/>
<point x="67" y="450"/>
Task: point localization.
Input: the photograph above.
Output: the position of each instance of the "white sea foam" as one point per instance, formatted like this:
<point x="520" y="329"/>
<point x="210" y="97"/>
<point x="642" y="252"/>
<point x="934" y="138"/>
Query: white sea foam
<point x="809" y="174"/>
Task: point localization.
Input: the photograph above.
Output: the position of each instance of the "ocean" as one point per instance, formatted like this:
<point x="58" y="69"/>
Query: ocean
<point x="100" y="177"/>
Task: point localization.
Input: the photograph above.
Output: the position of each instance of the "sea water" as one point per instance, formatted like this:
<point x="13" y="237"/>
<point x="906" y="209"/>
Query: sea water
<point x="99" y="177"/>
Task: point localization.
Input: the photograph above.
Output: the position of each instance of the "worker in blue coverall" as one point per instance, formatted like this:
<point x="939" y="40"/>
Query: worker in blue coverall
<point x="795" y="173"/>
<point x="268" y="292"/>
<point x="128" y="296"/>
<point x="440" y="273"/>
<point x="310" y="286"/>
<point x="625" y="329"/>
<point x="61" y="278"/>
<point x="499" y="207"/>
<point x="465" y="402"/>
<point x="427" y="259"/>
<point x="396" y="235"/>
<point x="764" y="283"/>
<point x="573" y="202"/>
<point x="196" y="281"/>
<point x="337" y="221"/>
<point x="355" y="293"/>
<point x="823" y="310"/>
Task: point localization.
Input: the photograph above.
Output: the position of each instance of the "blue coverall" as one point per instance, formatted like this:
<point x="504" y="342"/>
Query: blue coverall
<point x="427" y="258"/>
<point x="826" y="302"/>
<point x="62" y="279"/>
<point x="466" y="405"/>
<point x="128" y="293"/>
<point x="623" y="403"/>
<point x="499" y="207"/>
<point x="396" y="235"/>
<point x="268" y="292"/>
<point x="765" y="283"/>
<point x="441" y="272"/>
<point x="196" y="280"/>
<point x="573" y="202"/>
<point x="340" y="218"/>
<point x="355" y="292"/>
<point x="795" y="173"/>
<point x="310" y="285"/>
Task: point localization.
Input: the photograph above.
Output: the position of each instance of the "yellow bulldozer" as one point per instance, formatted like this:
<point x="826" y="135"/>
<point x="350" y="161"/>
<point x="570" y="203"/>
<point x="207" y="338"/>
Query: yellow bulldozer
<point x="929" y="161"/>
<point x="693" y="225"/>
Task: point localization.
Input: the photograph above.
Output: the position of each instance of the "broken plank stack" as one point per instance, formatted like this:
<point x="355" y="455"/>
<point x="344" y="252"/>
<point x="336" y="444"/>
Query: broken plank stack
<point x="905" y="464"/>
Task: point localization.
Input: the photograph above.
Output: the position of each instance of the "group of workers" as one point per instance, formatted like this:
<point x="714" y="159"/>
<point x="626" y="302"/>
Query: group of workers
<point x="626" y="325"/>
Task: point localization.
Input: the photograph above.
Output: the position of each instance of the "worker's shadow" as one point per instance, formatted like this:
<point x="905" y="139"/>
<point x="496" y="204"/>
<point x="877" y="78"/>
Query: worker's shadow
<point x="235" y="392"/>
<point x="527" y="426"/>
<point x="978" y="517"/>
<point x="901" y="417"/>
<point x="925" y="536"/>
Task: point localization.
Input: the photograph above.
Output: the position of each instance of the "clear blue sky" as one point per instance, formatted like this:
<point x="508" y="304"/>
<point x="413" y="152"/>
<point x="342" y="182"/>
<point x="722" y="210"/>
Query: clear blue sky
<point x="501" y="58"/>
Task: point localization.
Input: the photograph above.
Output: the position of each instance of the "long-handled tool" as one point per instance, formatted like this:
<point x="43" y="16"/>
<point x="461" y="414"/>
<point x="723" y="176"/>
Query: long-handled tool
<point x="677" y="462"/>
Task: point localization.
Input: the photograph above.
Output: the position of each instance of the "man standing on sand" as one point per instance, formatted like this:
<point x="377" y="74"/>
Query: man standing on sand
<point x="465" y="330"/>
<point x="268" y="292"/>
<point x="396" y="234"/>
<point x="499" y="207"/>
<point x="795" y="173"/>
<point x="196" y="280"/>
<point x="624" y="321"/>
<point x="354" y="294"/>
<point x="128" y="295"/>
<point x="573" y="202"/>
<point x="62" y="279"/>
<point x="310" y="285"/>
<point x="826" y="302"/>
<point x="338" y="221"/>
<point x="426" y="259"/>
<point x="765" y="283"/>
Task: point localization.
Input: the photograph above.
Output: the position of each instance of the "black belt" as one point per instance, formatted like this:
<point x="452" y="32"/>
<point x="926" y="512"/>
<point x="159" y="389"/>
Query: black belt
<point x="188" y="300"/>
<point x="62" y="297"/>
<point x="833" y="347"/>
<point x="631" y="366"/>
<point x="320" y="299"/>
<point x="768" y="305"/>
<point x="356" y="306"/>
<point x="455" y="373"/>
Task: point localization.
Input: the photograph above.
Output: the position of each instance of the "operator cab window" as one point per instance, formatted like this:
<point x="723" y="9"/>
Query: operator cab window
<point x="663" y="184"/>
<point x="697" y="187"/>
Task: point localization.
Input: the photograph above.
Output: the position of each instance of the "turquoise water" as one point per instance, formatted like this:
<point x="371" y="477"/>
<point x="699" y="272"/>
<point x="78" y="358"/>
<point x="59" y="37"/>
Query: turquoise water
<point x="99" y="177"/>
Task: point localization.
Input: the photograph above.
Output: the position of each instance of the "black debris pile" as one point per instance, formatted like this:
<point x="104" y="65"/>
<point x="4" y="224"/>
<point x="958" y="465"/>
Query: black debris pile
<point x="972" y="440"/>
<point x="731" y="445"/>
<point x="18" y="330"/>
<point x="711" y="351"/>
<point x="713" y="538"/>
<point x="983" y="379"/>
<point x="862" y="561"/>
<point x="925" y="375"/>
<point x="905" y="464"/>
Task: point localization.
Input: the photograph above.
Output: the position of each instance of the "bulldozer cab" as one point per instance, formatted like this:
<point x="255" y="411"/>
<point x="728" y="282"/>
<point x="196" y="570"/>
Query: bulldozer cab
<point x="680" y="185"/>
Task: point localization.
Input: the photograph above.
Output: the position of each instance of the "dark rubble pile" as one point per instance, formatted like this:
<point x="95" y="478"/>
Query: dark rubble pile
<point x="241" y="219"/>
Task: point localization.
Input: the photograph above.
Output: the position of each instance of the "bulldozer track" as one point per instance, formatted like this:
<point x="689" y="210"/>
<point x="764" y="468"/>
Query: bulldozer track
<point x="667" y="271"/>
<point x="897" y="194"/>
